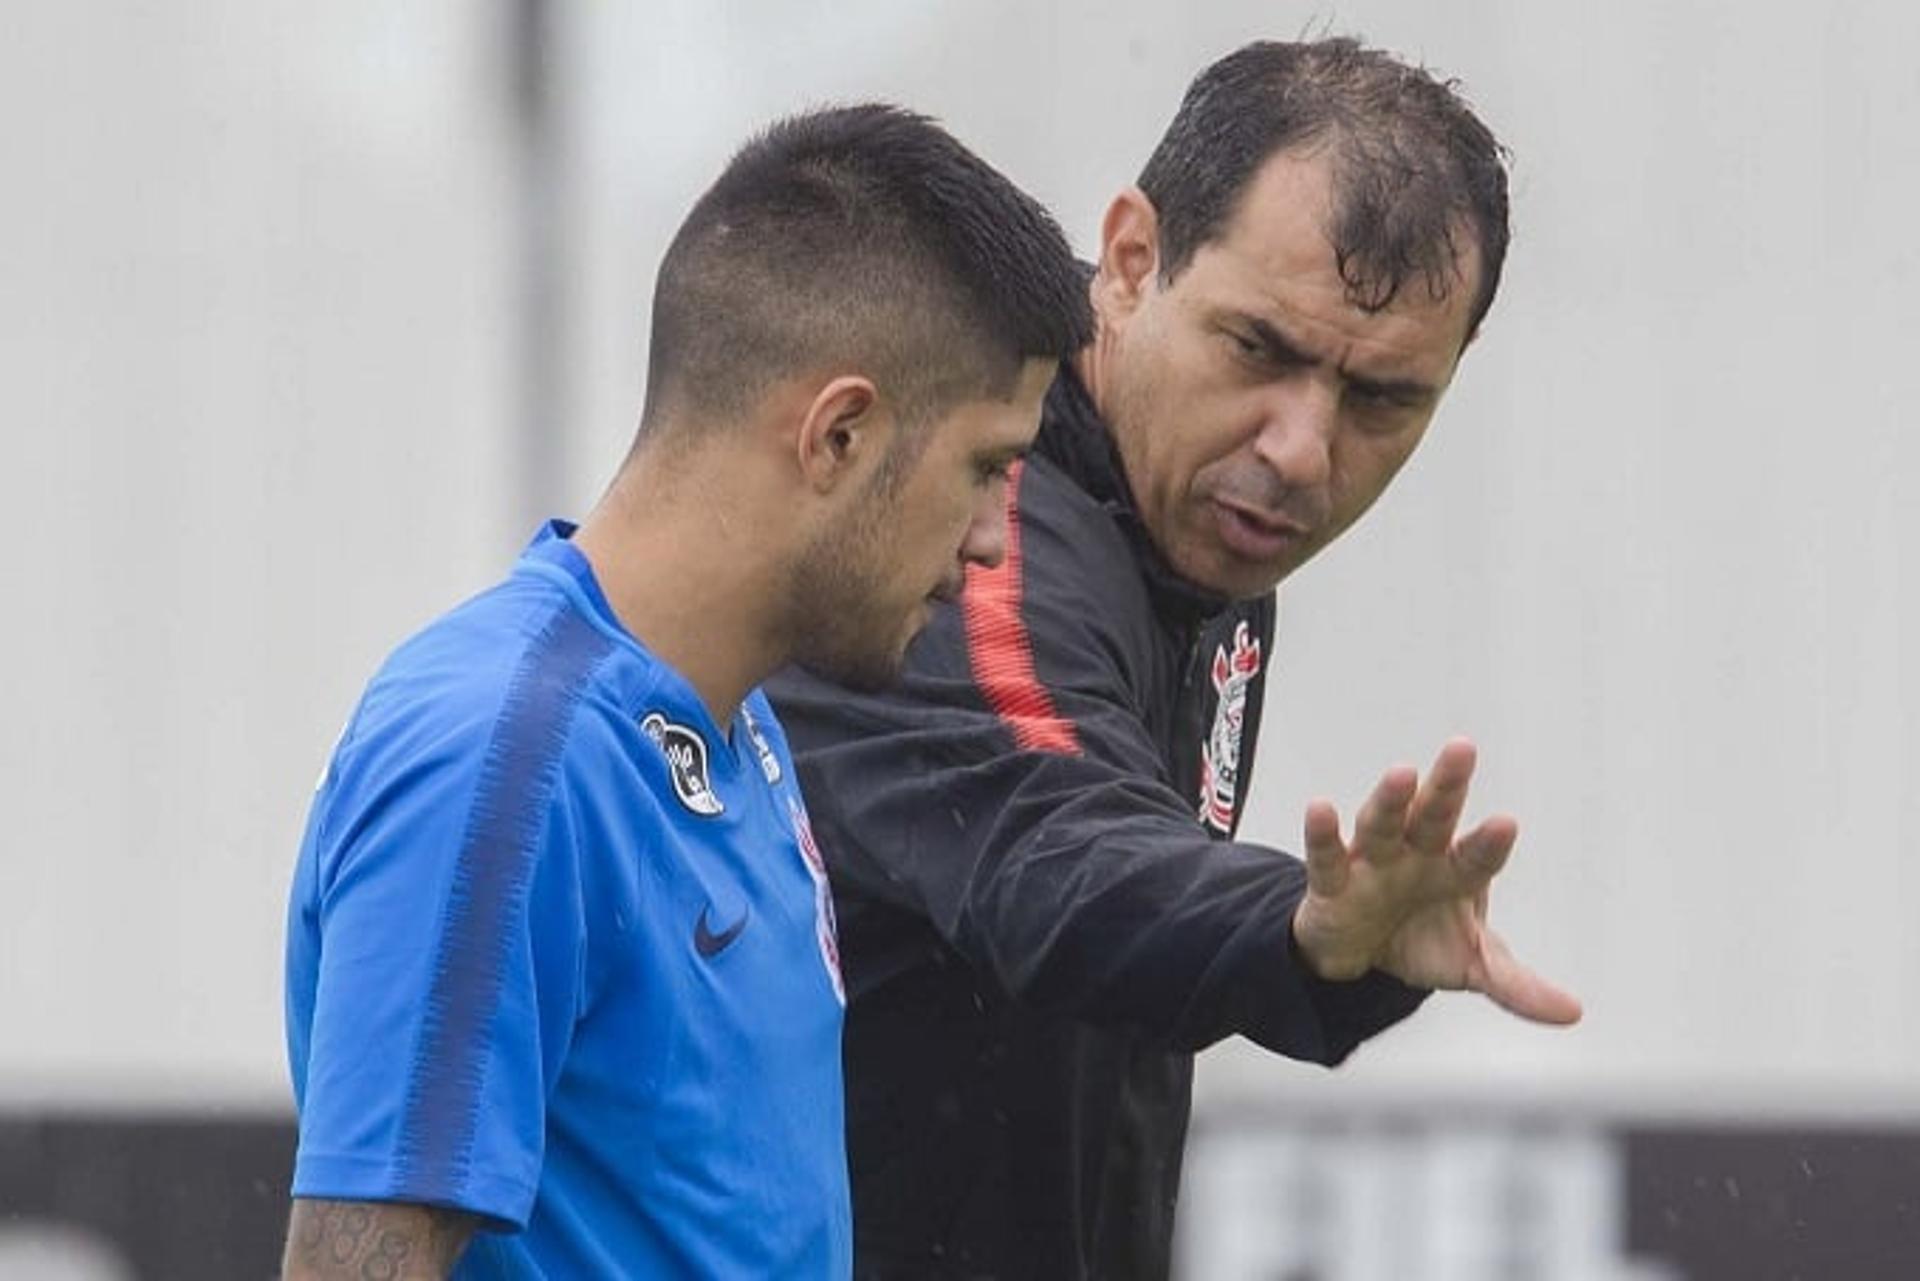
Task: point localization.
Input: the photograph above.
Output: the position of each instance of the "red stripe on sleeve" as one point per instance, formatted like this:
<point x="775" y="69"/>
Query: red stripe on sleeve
<point x="1002" y="653"/>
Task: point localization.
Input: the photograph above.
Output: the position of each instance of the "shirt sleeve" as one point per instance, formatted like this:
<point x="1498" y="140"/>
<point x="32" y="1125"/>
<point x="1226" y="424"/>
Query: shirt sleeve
<point x="1047" y="846"/>
<point x="446" y="905"/>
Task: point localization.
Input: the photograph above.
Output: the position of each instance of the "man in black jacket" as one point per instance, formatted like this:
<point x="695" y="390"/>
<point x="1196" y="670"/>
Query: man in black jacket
<point x="1043" y="910"/>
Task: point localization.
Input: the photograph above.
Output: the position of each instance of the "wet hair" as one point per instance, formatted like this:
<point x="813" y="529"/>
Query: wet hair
<point x="1413" y="167"/>
<point x="866" y="239"/>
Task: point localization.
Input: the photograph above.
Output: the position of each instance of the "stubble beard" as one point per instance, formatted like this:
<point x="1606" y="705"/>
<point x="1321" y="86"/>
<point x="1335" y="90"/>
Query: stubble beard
<point x="830" y="615"/>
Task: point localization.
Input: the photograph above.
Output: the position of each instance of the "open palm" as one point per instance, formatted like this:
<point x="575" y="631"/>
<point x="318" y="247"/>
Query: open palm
<point x="1408" y="897"/>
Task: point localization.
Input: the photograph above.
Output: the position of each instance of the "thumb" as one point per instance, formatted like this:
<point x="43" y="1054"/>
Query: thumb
<point x="1519" y="990"/>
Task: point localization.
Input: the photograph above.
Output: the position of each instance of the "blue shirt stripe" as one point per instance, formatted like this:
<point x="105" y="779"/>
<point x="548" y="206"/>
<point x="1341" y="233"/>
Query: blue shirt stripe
<point x="503" y="834"/>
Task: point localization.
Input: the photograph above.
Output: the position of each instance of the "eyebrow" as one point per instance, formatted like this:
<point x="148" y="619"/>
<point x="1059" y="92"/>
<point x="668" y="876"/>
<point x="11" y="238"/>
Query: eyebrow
<point x="1281" y="350"/>
<point x="1285" y="352"/>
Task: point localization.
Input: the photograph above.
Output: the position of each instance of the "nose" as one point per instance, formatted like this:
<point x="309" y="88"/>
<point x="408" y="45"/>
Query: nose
<point x="986" y="540"/>
<point x="1296" y="438"/>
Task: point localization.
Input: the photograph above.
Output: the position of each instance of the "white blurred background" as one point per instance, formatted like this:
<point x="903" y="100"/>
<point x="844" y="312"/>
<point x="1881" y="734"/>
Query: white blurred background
<point x="309" y="312"/>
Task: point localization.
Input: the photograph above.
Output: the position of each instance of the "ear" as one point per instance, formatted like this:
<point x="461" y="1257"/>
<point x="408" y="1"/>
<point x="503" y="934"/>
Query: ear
<point x="843" y="432"/>
<point x="1129" y="252"/>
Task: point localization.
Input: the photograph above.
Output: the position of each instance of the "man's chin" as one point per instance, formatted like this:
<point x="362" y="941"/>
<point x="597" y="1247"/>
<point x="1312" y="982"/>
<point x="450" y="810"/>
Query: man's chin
<point x="861" y="673"/>
<point x="1231" y="577"/>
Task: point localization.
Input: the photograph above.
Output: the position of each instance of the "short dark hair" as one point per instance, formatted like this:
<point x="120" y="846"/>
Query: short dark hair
<point x="1411" y="163"/>
<point x="864" y="236"/>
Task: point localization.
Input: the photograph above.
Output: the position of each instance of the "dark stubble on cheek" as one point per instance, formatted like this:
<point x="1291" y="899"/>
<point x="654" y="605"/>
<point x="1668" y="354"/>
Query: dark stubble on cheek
<point x="830" y="608"/>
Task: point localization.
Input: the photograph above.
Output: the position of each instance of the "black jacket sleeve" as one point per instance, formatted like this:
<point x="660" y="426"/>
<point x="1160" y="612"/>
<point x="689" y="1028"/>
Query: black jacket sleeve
<point x="1073" y="875"/>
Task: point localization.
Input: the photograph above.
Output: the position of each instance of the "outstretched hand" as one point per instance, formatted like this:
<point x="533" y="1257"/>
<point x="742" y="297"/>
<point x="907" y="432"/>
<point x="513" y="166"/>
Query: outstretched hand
<point x="1410" y="898"/>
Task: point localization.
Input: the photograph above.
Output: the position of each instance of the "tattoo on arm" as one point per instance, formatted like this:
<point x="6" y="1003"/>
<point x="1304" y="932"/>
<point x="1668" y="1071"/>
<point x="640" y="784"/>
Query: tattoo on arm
<point x="373" y="1241"/>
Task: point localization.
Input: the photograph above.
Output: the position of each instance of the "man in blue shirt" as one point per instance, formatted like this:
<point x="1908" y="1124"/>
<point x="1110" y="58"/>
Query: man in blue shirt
<point x="561" y="960"/>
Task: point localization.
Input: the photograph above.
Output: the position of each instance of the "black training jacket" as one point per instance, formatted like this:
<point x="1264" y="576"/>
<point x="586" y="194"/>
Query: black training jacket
<point x="1042" y="912"/>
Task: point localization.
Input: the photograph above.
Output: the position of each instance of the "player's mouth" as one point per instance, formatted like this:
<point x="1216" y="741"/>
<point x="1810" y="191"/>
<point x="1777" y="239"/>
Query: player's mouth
<point x="1256" y="535"/>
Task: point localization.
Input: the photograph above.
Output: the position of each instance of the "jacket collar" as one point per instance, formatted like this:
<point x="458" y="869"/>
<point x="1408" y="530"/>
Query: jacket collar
<point x="1075" y="438"/>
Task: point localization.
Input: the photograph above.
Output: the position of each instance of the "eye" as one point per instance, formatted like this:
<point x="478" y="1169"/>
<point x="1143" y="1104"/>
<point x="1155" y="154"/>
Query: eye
<point x="1261" y="354"/>
<point x="1383" y="411"/>
<point x="1381" y="398"/>
<point x="989" y="470"/>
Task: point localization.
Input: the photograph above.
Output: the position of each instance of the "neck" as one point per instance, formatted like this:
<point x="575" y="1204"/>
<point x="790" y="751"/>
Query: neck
<point x="674" y="559"/>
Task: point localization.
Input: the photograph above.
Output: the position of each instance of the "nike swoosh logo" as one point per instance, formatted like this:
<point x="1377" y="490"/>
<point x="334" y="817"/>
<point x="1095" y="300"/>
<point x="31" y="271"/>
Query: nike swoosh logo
<point x="710" y="944"/>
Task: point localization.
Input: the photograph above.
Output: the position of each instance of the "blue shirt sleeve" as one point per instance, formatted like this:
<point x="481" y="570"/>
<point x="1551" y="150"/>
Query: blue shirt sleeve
<point x="438" y="926"/>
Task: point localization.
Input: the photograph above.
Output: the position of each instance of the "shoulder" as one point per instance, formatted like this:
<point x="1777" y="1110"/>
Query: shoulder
<point x="477" y="710"/>
<point x="503" y="653"/>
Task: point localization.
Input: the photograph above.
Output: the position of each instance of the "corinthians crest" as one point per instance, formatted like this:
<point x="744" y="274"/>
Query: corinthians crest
<point x="1233" y="672"/>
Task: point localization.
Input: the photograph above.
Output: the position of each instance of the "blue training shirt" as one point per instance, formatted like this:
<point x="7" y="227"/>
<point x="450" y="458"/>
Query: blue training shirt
<point x="560" y="953"/>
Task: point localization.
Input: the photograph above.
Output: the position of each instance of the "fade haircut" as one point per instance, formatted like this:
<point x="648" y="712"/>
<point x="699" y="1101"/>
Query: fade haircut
<point x="1412" y="165"/>
<point x="863" y="239"/>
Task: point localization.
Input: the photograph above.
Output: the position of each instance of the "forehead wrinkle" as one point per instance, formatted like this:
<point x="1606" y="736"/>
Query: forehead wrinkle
<point x="1366" y="357"/>
<point x="1276" y="247"/>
